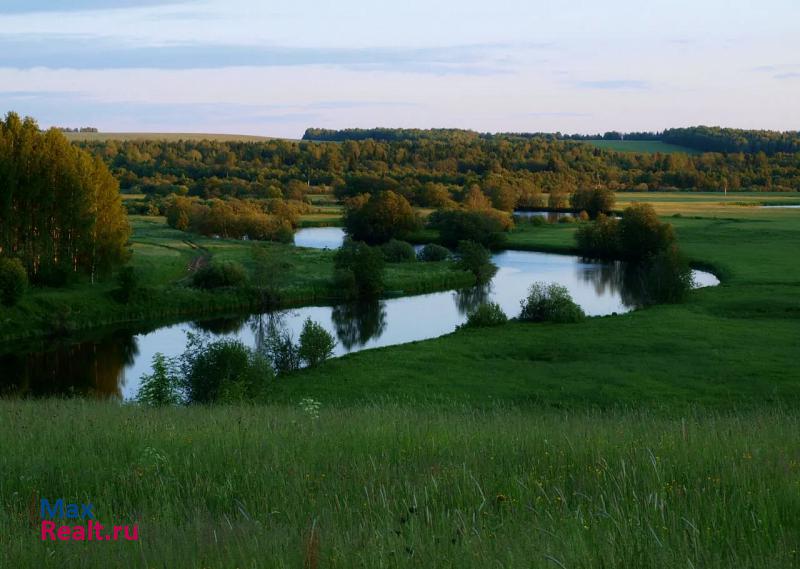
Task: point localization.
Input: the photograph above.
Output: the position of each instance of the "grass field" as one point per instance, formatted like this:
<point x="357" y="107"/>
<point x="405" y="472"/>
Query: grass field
<point x="403" y="486"/>
<point x="161" y="258"/>
<point x="641" y="146"/>
<point x="162" y="136"/>
<point x="663" y="438"/>
<point x="734" y="345"/>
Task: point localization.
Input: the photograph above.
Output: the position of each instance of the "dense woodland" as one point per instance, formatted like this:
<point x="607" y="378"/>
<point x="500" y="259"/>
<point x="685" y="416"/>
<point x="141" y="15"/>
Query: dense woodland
<point x="430" y="172"/>
<point x="60" y="208"/>
<point x="702" y="138"/>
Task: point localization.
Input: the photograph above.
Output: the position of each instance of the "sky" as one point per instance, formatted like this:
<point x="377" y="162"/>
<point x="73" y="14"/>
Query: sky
<point x="276" y="68"/>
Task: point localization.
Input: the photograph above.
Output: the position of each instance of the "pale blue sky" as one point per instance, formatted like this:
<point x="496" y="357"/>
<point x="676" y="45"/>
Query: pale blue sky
<point x="275" y="68"/>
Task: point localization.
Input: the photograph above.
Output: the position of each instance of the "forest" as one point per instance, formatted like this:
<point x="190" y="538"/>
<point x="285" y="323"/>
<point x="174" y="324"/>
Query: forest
<point x="513" y="171"/>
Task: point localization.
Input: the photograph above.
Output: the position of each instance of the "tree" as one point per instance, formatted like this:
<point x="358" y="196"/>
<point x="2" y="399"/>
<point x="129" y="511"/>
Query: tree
<point x="476" y="259"/>
<point x="642" y="234"/>
<point x="60" y="208"/>
<point x="316" y="344"/>
<point x="162" y="387"/>
<point x="593" y="201"/>
<point x="486" y="227"/>
<point x="378" y="218"/>
<point x="358" y="270"/>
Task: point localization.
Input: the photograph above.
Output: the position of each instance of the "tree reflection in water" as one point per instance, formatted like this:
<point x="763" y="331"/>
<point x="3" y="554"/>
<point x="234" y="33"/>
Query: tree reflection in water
<point x="93" y="368"/>
<point x="627" y="280"/>
<point x="358" y="322"/>
<point x="468" y="299"/>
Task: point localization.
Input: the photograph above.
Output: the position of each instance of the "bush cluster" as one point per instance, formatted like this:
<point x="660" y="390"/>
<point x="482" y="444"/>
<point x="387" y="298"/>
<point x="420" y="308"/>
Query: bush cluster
<point x="13" y="281"/>
<point x="550" y="303"/>
<point x="432" y="253"/>
<point x="398" y="252"/>
<point x="219" y="275"/>
<point x="476" y="259"/>
<point x="486" y="227"/>
<point x="485" y="315"/>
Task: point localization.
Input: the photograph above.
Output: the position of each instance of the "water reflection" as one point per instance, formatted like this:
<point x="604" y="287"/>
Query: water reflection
<point x="359" y="322"/>
<point x="468" y="299"/>
<point x="95" y="369"/>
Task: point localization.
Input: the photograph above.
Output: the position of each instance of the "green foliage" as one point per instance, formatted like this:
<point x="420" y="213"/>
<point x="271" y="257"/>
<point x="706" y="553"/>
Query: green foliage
<point x="593" y="200"/>
<point x="378" y="218"/>
<point x="58" y="204"/>
<point x="359" y="270"/>
<point x="234" y="218"/>
<point x="127" y="284"/>
<point x="219" y="274"/>
<point x="664" y="278"/>
<point x="223" y="371"/>
<point x="550" y="303"/>
<point x="484" y="227"/>
<point x="316" y="344"/>
<point x="281" y="351"/>
<point x="398" y="252"/>
<point x="162" y="387"/>
<point x="599" y="240"/>
<point x="432" y="253"/>
<point x="642" y="234"/>
<point x="486" y="314"/>
<point x="476" y="259"/>
<point x="13" y="281"/>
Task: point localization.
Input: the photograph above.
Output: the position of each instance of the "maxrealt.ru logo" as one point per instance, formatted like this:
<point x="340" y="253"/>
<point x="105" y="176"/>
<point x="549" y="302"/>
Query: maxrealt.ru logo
<point x="86" y="528"/>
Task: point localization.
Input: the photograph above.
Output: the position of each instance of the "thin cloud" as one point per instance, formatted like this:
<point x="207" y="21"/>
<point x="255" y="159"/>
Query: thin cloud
<point x="37" y="6"/>
<point x="92" y="53"/>
<point x="613" y="84"/>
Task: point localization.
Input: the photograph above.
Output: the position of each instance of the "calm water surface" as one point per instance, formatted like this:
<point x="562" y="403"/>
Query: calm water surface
<point x="111" y="365"/>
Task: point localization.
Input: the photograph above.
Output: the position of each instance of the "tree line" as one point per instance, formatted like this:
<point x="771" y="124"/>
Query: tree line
<point x="60" y="207"/>
<point x="512" y="172"/>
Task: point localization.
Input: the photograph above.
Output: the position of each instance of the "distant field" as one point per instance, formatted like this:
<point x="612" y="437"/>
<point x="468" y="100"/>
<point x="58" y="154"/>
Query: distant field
<point x="641" y="146"/>
<point x="713" y="203"/>
<point x="163" y="136"/>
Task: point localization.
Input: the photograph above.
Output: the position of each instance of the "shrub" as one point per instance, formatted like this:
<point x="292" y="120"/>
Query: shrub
<point x="432" y="253"/>
<point x="486" y="227"/>
<point x="219" y="274"/>
<point x="475" y="258"/>
<point x="316" y="344"/>
<point x="359" y="268"/>
<point x="550" y="303"/>
<point x="13" y="281"/>
<point x="642" y="234"/>
<point x="593" y="201"/>
<point x="225" y="370"/>
<point x="281" y="351"/>
<point x="162" y="387"/>
<point x="127" y="284"/>
<point x="485" y="315"/>
<point x="398" y="252"/>
<point x="538" y="221"/>
<point x="378" y="218"/>
<point x="566" y="219"/>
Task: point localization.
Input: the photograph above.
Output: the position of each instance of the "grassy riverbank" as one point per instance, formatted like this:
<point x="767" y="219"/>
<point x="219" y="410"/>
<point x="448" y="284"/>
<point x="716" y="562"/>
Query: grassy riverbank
<point x="399" y="486"/>
<point x="161" y="259"/>
<point x="731" y="346"/>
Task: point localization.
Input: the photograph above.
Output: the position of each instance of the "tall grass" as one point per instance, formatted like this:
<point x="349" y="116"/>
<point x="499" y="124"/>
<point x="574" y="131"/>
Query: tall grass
<point x="386" y="485"/>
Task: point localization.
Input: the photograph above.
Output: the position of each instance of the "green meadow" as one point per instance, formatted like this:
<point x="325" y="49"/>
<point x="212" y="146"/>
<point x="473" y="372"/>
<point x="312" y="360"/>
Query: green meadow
<point x="162" y="258"/>
<point x="665" y="437"/>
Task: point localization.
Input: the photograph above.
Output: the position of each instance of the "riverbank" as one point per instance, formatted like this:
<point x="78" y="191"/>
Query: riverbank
<point x="162" y="258"/>
<point x="728" y="347"/>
